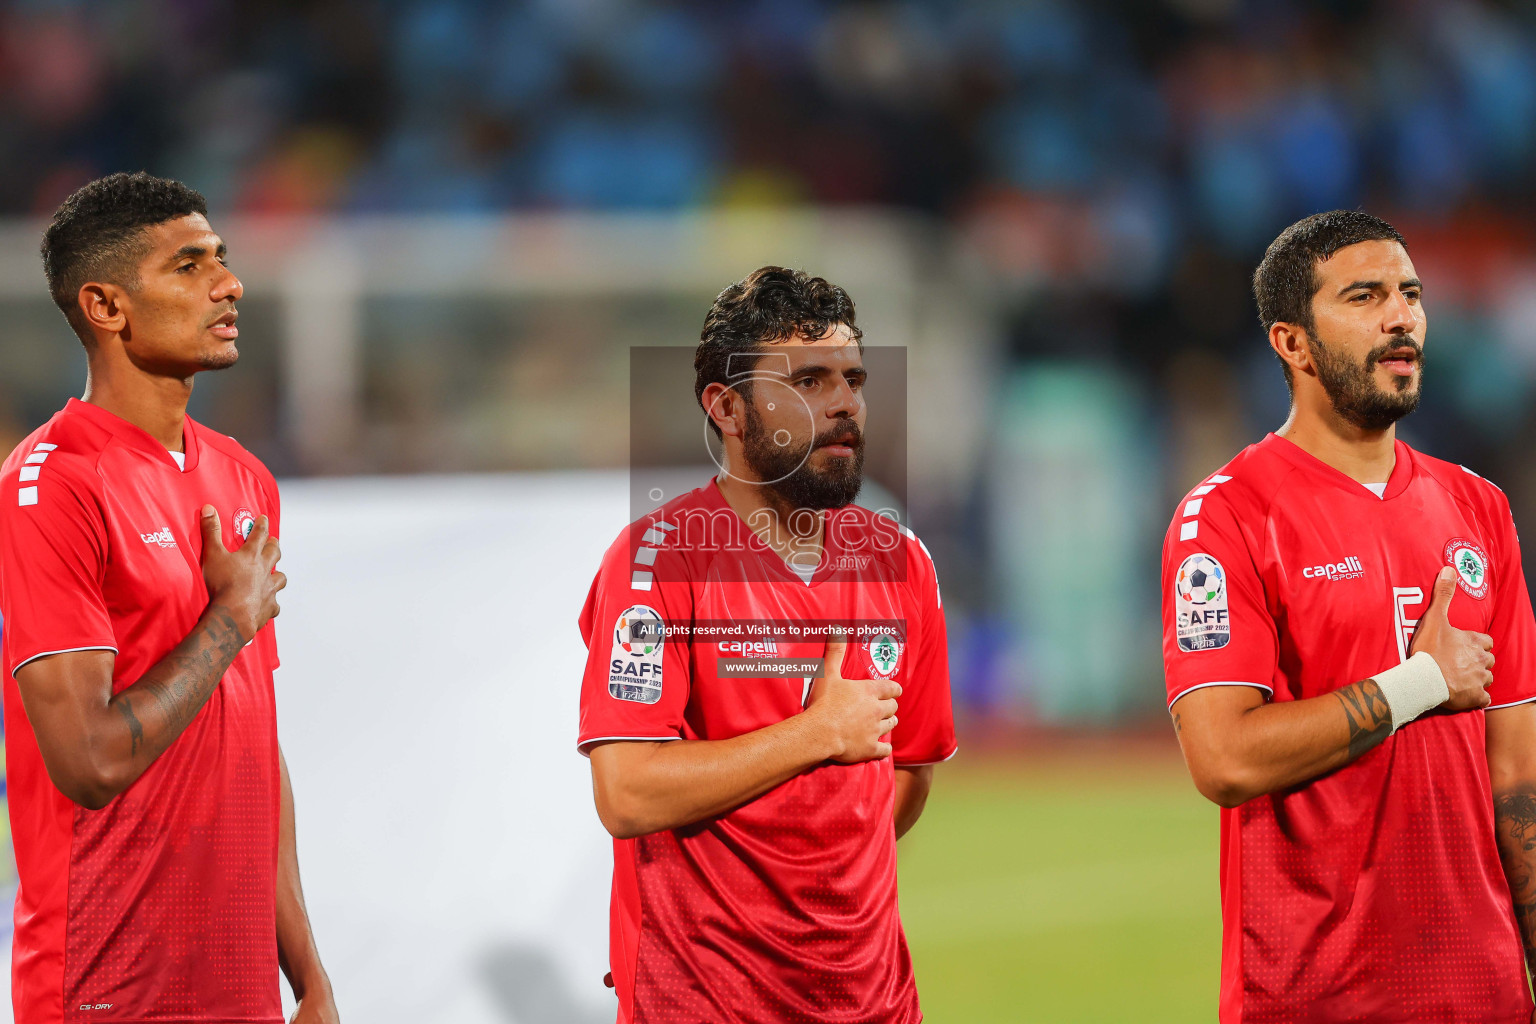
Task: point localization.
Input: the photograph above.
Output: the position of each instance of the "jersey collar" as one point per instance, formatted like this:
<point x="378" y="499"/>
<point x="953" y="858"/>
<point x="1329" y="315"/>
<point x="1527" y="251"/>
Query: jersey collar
<point x="137" y="437"/>
<point x="1402" y="468"/>
<point x="769" y="557"/>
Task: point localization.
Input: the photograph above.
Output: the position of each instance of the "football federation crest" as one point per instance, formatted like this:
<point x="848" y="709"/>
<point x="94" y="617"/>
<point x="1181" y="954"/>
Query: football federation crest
<point x="1200" y="604"/>
<point x="1471" y="566"/>
<point x="884" y="653"/>
<point x="244" y="521"/>
<point x="634" y="668"/>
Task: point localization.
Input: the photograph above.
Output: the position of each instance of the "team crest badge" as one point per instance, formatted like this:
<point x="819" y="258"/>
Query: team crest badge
<point x="1200" y="604"/>
<point x="245" y="521"/>
<point x="1471" y="566"/>
<point x="634" y="666"/>
<point x="884" y="651"/>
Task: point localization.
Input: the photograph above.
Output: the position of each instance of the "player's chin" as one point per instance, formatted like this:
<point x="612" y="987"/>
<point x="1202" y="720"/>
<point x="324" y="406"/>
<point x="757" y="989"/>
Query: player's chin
<point x="220" y="357"/>
<point x="1398" y="384"/>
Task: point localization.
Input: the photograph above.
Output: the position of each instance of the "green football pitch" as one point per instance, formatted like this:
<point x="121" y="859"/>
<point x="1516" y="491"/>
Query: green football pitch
<point x="1065" y="888"/>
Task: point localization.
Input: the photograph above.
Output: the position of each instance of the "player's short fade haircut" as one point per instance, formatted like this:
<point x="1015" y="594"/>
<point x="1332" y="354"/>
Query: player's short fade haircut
<point x="97" y="234"/>
<point x="771" y="304"/>
<point x="1286" y="279"/>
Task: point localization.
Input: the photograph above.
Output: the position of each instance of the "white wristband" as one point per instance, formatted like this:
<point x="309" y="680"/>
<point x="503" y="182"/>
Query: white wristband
<point x="1412" y="688"/>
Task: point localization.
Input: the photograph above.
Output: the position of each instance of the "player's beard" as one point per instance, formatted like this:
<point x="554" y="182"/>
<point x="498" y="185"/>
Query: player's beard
<point x="222" y="359"/>
<point x="1353" y="390"/>
<point x="787" y="469"/>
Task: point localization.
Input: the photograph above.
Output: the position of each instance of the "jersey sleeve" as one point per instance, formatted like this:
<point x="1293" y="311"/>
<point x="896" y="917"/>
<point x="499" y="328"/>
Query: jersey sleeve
<point x="636" y="683"/>
<point x="925" y="718"/>
<point x="53" y="553"/>
<point x="1217" y="630"/>
<point x="1512" y="627"/>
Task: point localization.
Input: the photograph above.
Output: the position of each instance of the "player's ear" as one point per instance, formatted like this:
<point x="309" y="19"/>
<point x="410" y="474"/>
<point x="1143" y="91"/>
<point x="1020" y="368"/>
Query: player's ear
<point x="102" y="306"/>
<point x="1293" y="345"/>
<point x="726" y="406"/>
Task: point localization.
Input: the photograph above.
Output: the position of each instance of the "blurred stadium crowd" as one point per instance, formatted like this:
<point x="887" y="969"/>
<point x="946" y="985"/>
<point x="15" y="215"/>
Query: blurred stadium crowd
<point x="1104" y="175"/>
<point x="1171" y="123"/>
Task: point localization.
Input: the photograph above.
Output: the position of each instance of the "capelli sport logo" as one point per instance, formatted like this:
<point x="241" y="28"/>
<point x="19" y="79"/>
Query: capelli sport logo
<point x="162" y="537"/>
<point x="1347" y="568"/>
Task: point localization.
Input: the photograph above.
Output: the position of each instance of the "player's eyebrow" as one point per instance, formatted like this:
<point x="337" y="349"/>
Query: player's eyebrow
<point x="194" y="251"/>
<point x="1407" y="282"/>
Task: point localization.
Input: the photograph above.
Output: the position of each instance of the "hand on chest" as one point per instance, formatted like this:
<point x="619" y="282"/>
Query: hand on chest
<point x="155" y="540"/>
<point x="1379" y="584"/>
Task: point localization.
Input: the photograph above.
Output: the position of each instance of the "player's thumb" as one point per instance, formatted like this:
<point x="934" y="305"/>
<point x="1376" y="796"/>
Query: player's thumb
<point x="832" y="660"/>
<point x="209" y="521"/>
<point x="1440" y="599"/>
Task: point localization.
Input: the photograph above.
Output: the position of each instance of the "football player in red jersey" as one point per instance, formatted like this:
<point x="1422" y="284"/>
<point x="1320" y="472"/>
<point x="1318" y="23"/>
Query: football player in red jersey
<point x="151" y="809"/>
<point x="754" y="801"/>
<point x="1351" y="665"/>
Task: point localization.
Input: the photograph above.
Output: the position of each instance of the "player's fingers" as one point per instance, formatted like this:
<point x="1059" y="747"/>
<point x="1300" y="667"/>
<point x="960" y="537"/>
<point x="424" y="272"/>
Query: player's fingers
<point x="887" y="688"/>
<point x="887" y="724"/>
<point x="1482" y="640"/>
<point x="882" y="750"/>
<point x="258" y="535"/>
<point x="209" y="523"/>
<point x="277" y="609"/>
<point x="887" y="708"/>
<point x="271" y="551"/>
<point x="1440" y="599"/>
<point x="281" y="579"/>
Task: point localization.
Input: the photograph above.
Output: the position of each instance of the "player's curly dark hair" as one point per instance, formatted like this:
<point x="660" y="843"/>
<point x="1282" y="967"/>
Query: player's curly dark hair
<point x="768" y="305"/>
<point x="97" y="234"/>
<point x="1286" y="278"/>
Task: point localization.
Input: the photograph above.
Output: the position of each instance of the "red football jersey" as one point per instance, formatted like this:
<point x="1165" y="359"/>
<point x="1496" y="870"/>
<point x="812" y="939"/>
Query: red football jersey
<point x="785" y="908"/>
<point x="1372" y="893"/>
<point x="161" y="905"/>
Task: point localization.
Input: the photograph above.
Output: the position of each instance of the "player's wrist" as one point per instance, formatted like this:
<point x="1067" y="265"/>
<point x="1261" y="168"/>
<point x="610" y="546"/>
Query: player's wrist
<point x="232" y="614"/>
<point x="820" y="736"/>
<point x="1412" y="688"/>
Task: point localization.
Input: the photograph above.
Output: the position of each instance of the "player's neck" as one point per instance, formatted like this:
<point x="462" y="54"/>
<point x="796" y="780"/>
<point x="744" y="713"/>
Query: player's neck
<point x="774" y="524"/>
<point x="1365" y="456"/>
<point x="156" y="405"/>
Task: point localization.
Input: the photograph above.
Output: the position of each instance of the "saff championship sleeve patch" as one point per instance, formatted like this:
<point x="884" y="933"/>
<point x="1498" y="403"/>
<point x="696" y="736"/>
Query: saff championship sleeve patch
<point x="1200" y="604"/>
<point x="634" y="670"/>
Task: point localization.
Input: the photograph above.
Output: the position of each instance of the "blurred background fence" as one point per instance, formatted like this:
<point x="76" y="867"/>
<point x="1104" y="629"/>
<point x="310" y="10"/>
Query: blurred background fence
<point x="455" y="219"/>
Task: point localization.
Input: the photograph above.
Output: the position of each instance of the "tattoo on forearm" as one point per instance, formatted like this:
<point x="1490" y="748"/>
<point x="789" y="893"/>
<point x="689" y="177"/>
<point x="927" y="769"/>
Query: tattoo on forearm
<point x="135" y="727"/>
<point x="1370" y="719"/>
<point x="180" y="684"/>
<point x="1178" y="726"/>
<point x="1514" y="815"/>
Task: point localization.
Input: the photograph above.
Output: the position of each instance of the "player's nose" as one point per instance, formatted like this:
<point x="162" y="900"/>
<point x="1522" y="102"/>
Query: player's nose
<point x="844" y="401"/>
<point x="227" y="287"/>
<point x="1400" y="316"/>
